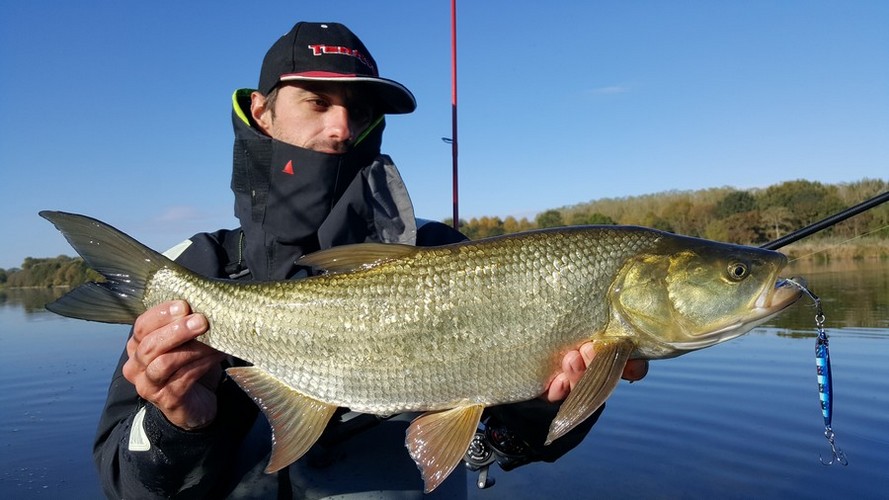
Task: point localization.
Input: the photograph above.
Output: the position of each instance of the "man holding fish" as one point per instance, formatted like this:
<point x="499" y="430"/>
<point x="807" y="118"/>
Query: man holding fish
<point x="307" y="176"/>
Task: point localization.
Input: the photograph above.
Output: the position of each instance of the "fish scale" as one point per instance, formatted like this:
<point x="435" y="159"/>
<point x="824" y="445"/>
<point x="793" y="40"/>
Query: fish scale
<point x="395" y="328"/>
<point x="491" y="340"/>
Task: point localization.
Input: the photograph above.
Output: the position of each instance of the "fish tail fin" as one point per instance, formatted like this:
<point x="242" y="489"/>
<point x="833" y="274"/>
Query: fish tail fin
<point x="126" y="264"/>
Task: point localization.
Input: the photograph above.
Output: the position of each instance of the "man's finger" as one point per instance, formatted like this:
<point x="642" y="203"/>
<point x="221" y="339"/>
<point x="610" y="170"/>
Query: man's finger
<point x="573" y="366"/>
<point x="166" y="338"/>
<point x="558" y="388"/>
<point x="168" y="364"/>
<point x="158" y="317"/>
<point x="588" y="352"/>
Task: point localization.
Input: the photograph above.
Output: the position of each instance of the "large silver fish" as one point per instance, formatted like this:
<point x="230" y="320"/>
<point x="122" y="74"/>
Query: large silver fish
<point x="447" y="330"/>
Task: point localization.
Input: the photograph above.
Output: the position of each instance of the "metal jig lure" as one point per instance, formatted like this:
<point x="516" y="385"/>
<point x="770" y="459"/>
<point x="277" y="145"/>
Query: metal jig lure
<point x="825" y="382"/>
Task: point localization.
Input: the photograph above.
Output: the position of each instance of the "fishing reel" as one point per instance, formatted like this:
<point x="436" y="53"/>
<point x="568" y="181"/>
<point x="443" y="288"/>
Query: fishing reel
<point x="495" y="443"/>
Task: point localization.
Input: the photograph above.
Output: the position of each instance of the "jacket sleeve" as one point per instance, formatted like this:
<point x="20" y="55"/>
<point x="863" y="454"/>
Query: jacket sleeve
<point x="529" y="422"/>
<point x="139" y="454"/>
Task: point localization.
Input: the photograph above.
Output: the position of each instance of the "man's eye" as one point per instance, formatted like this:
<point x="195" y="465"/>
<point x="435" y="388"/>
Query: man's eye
<point x="360" y="114"/>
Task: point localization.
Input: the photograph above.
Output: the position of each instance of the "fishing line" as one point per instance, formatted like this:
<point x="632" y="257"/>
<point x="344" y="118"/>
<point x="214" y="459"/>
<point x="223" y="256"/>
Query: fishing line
<point x="827" y="222"/>
<point x="840" y="243"/>
<point x="825" y="380"/>
<point x="822" y="354"/>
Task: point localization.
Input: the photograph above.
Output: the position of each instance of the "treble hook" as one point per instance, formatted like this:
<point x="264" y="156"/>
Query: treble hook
<point x="837" y="454"/>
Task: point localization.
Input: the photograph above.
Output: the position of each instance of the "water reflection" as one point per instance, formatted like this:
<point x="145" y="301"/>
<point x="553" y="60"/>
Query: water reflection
<point x="31" y="300"/>
<point x="734" y="421"/>
<point x="853" y="294"/>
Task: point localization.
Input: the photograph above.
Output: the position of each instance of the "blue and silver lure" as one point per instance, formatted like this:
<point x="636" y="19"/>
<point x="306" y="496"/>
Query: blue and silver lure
<point x="825" y="383"/>
<point x="825" y="388"/>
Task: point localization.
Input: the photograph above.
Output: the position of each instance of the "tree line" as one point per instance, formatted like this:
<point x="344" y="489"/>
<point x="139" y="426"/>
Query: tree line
<point x="48" y="272"/>
<point x="748" y="217"/>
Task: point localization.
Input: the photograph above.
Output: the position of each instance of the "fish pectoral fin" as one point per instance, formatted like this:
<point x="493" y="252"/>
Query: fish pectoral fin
<point x="297" y="421"/>
<point x="597" y="383"/>
<point x="437" y="441"/>
<point x="347" y="258"/>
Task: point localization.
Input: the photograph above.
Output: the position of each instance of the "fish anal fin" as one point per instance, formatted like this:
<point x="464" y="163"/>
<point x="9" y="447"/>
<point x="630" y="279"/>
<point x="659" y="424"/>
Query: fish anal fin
<point x="597" y="383"/>
<point x="347" y="258"/>
<point x="437" y="441"/>
<point x="297" y="420"/>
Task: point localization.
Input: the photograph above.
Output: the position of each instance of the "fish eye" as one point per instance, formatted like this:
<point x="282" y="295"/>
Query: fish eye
<point x="738" y="271"/>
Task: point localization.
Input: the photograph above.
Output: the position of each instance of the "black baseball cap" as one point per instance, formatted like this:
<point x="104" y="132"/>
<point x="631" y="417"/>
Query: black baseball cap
<point x="330" y="52"/>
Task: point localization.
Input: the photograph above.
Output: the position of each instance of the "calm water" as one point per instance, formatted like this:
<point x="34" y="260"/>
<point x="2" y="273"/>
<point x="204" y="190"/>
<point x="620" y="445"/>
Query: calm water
<point x="738" y="420"/>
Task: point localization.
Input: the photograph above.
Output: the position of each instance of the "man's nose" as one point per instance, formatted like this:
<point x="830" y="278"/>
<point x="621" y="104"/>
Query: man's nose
<point x="339" y="124"/>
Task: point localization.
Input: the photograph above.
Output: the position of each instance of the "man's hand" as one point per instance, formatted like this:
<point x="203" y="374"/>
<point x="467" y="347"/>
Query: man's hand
<point x="574" y="364"/>
<point x="170" y="369"/>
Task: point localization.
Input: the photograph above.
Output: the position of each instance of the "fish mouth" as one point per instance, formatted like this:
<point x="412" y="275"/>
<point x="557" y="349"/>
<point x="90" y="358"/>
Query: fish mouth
<point x="770" y="302"/>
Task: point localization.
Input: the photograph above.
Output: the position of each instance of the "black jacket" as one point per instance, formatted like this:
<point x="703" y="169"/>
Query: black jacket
<point x="328" y="200"/>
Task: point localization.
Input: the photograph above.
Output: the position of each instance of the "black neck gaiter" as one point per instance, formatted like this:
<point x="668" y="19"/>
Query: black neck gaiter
<point x="283" y="193"/>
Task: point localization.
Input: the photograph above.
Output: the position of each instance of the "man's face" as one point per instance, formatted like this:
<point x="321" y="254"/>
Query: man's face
<point x="320" y="116"/>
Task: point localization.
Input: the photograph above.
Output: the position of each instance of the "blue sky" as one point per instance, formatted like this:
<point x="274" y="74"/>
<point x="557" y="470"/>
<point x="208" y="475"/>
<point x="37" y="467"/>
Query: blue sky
<point x="121" y="110"/>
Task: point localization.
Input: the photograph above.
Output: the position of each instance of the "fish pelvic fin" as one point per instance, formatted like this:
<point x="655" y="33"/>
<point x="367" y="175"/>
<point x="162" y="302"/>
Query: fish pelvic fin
<point x="346" y="258"/>
<point x="437" y="441"/>
<point x="297" y="420"/>
<point x="126" y="264"/>
<point x="597" y="383"/>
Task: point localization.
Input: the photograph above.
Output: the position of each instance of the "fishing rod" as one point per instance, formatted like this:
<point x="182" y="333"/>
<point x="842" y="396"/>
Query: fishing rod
<point x="822" y="356"/>
<point x="454" y="114"/>
<point x="827" y="222"/>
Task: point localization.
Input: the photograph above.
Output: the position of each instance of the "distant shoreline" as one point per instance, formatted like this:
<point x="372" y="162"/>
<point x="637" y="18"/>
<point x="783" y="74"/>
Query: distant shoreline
<point x="823" y="251"/>
<point x="830" y="250"/>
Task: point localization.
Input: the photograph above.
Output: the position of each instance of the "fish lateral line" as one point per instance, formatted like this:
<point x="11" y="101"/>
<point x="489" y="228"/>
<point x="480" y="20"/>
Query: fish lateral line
<point x="592" y="257"/>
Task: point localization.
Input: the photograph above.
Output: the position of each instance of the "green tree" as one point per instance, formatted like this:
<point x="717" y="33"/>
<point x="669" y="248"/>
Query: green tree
<point x="777" y="221"/>
<point x="58" y="271"/>
<point x="655" y="221"/>
<point x="549" y="218"/>
<point x="488" y="226"/>
<point x="744" y="228"/>
<point x="869" y="221"/>
<point x="735" y="202"/>
<point x="584" y="218"/>
<point x="716" y="230"/>
<point x="808" y="201"/>
<point x="680" y="215"/>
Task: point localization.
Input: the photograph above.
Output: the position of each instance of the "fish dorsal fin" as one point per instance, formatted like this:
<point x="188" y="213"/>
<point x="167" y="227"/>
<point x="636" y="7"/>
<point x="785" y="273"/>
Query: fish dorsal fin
<point x="347" y="258"/>
<point x="597" y="383"/>
<point x="437" y="441"/>
<point x="297" y="421"/>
